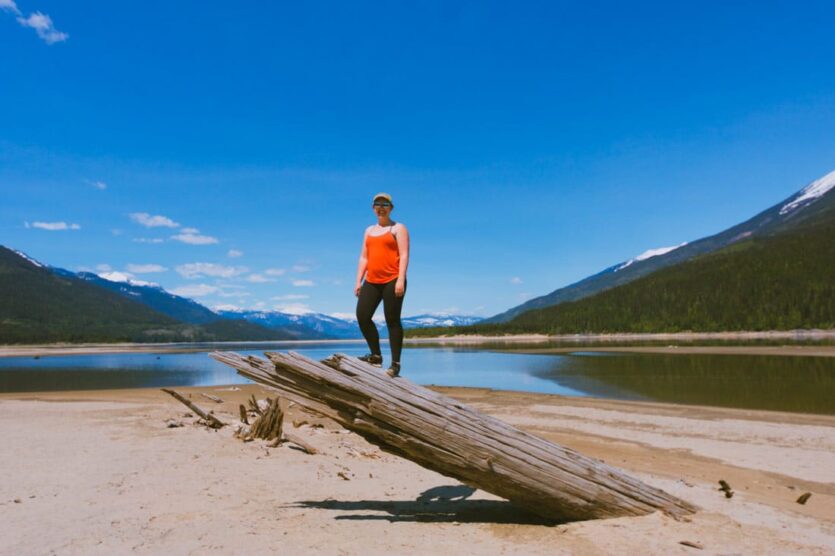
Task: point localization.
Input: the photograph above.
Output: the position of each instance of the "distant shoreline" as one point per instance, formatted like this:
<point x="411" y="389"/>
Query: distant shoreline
<point x="45" y="350"/>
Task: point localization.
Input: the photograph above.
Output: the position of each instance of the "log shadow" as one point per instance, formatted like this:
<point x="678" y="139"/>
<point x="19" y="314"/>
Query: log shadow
<point x="445" y="504"/>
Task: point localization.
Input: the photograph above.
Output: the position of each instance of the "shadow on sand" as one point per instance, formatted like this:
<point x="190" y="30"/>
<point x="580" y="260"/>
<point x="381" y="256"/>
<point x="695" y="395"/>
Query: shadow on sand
<point x="443" y="504"/>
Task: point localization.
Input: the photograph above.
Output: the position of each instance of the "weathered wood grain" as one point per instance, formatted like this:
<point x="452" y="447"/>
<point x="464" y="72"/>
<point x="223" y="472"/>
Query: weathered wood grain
<point x="444" y="435"/>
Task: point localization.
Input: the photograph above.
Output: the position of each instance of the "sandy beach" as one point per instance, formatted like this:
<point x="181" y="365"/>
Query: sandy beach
<point x="101" y="472"/>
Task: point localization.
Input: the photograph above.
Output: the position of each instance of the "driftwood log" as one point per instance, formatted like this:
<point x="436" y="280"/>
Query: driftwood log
<point x="212" y="421"/>
<point x="442" y="434"/>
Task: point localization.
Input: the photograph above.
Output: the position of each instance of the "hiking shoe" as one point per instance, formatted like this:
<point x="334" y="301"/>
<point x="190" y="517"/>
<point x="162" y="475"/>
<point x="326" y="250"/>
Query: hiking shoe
<point x="393" y="370"/>
<point x="372" y="359"/>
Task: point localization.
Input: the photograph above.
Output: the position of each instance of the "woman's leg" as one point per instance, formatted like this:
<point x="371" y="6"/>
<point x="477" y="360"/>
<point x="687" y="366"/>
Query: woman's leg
<point x="367" y="303"/>
<point x="392" y="305"/>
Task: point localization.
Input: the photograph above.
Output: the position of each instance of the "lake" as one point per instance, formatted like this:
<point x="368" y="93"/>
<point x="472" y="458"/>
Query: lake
<point x="798" y="384"/>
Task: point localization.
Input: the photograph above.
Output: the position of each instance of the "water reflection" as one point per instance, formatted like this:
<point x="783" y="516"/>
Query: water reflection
<point x="804" y="384"/>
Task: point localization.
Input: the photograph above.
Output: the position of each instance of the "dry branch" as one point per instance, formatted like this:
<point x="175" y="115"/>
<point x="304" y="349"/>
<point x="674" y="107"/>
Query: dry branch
<point x="210" y="397"/>
<point x="446" y="436"/>
<point x="213" y="421"/>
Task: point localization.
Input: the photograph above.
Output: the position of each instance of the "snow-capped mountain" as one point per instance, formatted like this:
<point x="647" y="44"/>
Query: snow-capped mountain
<point x="810" y="193"/>
<point x="648" y="254"/>
<point x="28" y="258"/>
<point x="329" y="326"/>
<point x="808" y="203"/>
<point x="440" y="319"/>
<point x="313" y="325"/>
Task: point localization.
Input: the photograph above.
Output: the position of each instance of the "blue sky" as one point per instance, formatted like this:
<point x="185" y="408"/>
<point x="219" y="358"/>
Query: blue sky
<point x="527" y="145"/>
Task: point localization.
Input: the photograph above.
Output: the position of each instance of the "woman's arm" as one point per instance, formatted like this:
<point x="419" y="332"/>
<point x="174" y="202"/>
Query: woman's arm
<point x="403" y="248"/>
<point x="361" y="265"/>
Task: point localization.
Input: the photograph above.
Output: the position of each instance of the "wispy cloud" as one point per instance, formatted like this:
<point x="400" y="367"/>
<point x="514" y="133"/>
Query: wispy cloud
<point x="195" y="290"/>
<point x="52" y="226"/>
<point x="42" y="24"/>
<point x="146" y="268"/>
<point x="153" y="221"/>
<point x="516" y="281"/>
<point x="104" y="267"/>
<point x="192" y="237"/>
<point x="301" y="268"/>
<point x="258" y="279"/>
<point x="148" y="240"/>
<point x="234" y="254"/>
<point x="275" y="272"/>
<point x="290" y="297"/>
<point x="99" y="185"/>
<point x="197" y="270"/>
<point x="10" y="6"/>
<point x="293" y="308"/>
<point x="303" y="283"/>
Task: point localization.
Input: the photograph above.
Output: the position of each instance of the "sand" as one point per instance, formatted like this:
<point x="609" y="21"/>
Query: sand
<point x="101" y="473"/>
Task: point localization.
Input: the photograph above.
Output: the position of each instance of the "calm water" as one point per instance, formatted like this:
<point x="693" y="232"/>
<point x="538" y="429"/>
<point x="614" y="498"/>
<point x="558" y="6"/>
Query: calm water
<point x="801" y="384"/>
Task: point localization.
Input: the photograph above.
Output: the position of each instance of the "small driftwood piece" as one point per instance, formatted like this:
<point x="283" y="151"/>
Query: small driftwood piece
<point x="298" y="442"/>
<point x="804" y="498"/>
<point x="442" y="434"/>
<point x="210" y="397"/>
<point x="213" y="421"/>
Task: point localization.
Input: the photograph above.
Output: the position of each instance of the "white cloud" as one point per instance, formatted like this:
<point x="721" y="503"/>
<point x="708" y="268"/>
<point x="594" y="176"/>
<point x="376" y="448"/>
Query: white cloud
<point x="234" y="254"/>
<point x="303" y="283"/>
<point x="294" y="308"/>
<point x="147" y="240"/>
<point x="10" y="5"/>
<point x="233" y="294"/>
<point x="275" y="272"/>
<point x="196" y="270"/>
<point x="99" y="185"/>
<point x="104" y="267"/>
<point x="258" y="279"/>
<point x="43" y="26"/>
<point x="53" y="226"/>
<point x="190" y="231"/>
<point x="116" y="232"/>
<point x="301" y="268"/>
<point x="146" y="268"/>
<point x="290" y="297"/>
<point x="153" y="221"/>
<point x="195" y="290"/>
<point x="194" y="238"/>
<point x="516" y="281"/>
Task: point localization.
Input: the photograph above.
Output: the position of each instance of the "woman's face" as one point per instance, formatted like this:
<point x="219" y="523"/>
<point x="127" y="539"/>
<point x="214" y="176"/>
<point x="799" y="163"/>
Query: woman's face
<point x="382" y="208"/>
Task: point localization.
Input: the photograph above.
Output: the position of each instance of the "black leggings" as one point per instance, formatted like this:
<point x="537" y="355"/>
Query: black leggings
<point x="369" y="300"/>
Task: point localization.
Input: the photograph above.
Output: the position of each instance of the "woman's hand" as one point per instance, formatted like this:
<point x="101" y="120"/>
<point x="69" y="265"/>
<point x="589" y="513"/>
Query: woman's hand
<point x="357" y="289"/>
<point x="400" y="287"/>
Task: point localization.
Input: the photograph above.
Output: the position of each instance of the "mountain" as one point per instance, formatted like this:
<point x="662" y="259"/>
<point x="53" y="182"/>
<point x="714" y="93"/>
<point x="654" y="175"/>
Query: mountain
<point x="39" y="304"/>
<point x="327" y="326"/>
<point x="781" y="281"/>
<point x="800" y="207"/>
<point x="431" y="320"/>
<point x="151" y="295"/>
<point x="305" y="326"/>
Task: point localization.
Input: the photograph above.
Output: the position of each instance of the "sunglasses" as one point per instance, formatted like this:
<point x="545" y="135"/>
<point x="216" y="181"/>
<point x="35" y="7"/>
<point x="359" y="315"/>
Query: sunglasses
<point x="381" y="204"/>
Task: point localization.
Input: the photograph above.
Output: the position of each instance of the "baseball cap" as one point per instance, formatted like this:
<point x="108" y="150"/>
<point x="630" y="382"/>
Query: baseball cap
<point x="382" y="195"/>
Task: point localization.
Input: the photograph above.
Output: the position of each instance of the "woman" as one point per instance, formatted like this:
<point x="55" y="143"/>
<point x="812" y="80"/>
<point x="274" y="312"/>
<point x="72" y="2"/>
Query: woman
<point x="383" y="263"/>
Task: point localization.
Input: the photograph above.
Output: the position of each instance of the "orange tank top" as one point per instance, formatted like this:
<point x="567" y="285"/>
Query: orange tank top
<point x="383" y="258"/>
